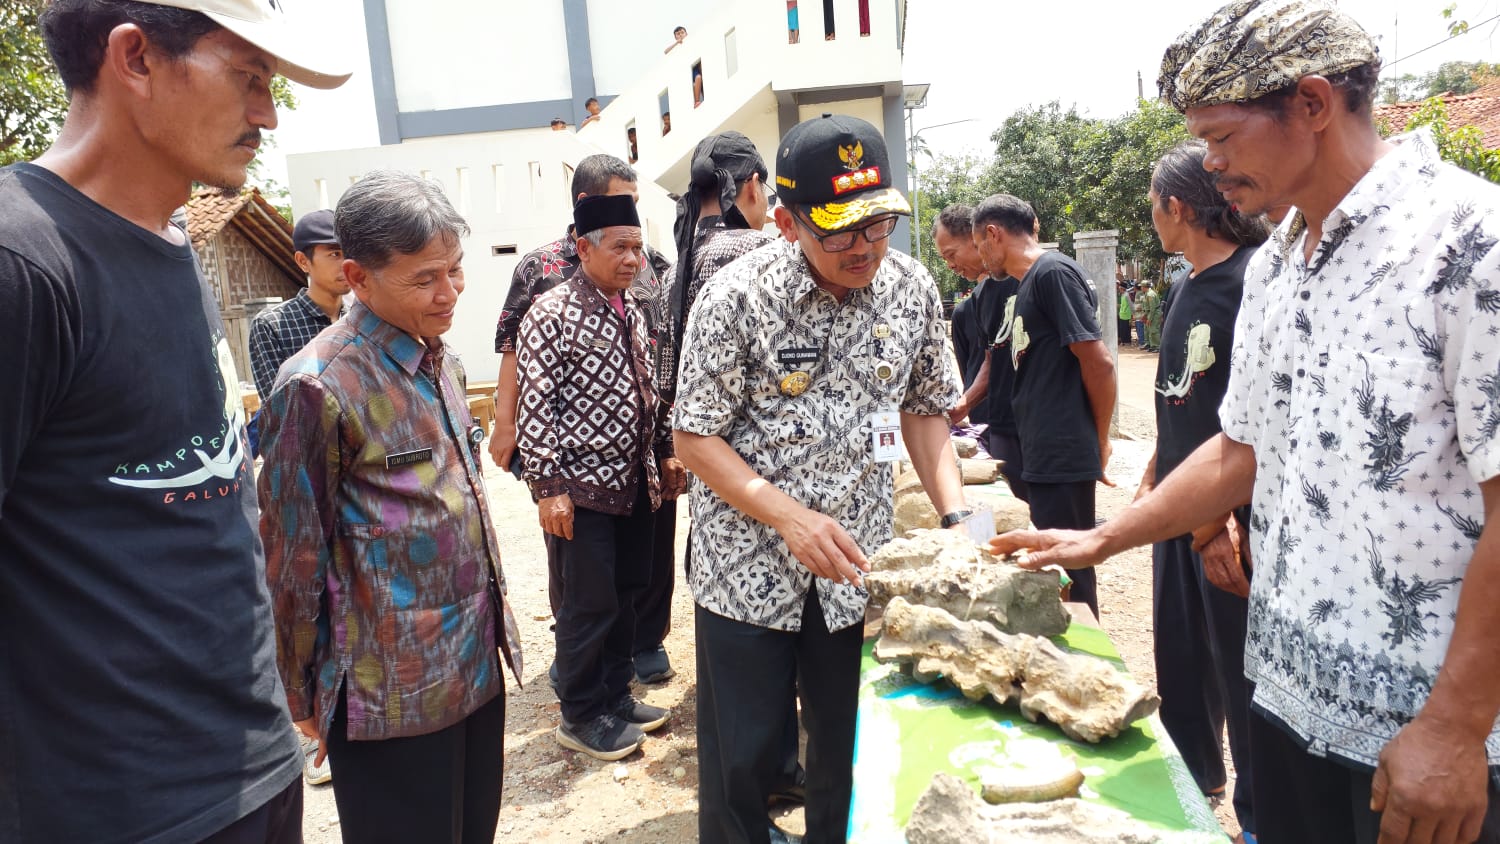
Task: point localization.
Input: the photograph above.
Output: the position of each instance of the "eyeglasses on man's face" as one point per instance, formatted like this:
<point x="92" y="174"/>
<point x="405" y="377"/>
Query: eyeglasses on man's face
<point x="844" y="240"/>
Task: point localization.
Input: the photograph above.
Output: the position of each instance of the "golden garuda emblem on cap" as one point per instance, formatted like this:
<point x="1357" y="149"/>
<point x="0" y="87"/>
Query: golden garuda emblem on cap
<point x="853" y="155"/>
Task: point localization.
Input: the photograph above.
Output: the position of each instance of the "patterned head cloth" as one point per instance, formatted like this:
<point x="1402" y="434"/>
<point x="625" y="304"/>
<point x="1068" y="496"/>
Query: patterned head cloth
<point x="1251" y="48"/>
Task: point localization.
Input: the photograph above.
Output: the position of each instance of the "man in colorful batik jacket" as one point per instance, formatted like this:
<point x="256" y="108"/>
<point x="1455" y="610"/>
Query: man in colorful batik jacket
<point x="381" y="554"/>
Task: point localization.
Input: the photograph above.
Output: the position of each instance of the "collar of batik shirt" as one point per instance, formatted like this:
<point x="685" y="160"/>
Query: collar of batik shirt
<point x="406" y="350"/>
<point x="1387" y="180"/>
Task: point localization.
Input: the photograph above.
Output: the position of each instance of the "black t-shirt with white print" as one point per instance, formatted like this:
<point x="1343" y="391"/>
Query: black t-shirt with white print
<point x="1055" y="306"/>
<point x="1192" y="373"/>
<point x="1001" y="304"/>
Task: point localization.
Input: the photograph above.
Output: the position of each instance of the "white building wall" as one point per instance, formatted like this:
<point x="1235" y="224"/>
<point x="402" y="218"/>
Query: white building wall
<point x="627" y="38"/>
<point x="512" y="187"/>
<point x="470" y="53"/>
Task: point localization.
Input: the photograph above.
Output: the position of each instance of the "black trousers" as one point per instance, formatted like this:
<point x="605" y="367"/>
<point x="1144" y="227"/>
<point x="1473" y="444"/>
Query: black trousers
<point x="1306" y="799"/>
<point x="1069" y="506"/>
<point x="654" y="609"/>
<point x="277" y="821"/>
<point x="1007" y="447"/>
<point x="1199" y="633"/>
<point x="1123" y="326"/>
<point x="747" y="679"/>
<point x="442" y="787"/>
<point x="601" y="572"/>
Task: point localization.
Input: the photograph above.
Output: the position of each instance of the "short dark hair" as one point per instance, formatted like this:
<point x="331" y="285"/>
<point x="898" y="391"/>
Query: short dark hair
<point x="594" y="100"/>
<point x="1179" y="173"/>
<point x="593" y="175"/>
<point x="1008" y="212"/>
<point x="957" y="219"/>
<point x="557" y="120"/>
<point x="1358" y="85"/>
<point x="677" y="29"/>
<point x="77" y="33"/>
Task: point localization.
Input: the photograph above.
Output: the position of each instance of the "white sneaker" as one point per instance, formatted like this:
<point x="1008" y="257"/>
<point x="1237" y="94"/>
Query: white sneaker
<point x="315" y="774"/>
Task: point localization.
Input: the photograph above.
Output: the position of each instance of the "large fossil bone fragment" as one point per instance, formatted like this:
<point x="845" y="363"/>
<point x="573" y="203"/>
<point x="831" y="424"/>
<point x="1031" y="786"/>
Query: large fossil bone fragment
<point x="949" y="812"/>
<point x="1083" y="695"/>
<point x="944" y="568"/>
<point x="914" y="510"/>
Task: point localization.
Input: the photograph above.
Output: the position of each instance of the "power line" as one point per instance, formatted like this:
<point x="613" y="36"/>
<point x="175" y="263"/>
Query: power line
<point x="1442" y="42"/>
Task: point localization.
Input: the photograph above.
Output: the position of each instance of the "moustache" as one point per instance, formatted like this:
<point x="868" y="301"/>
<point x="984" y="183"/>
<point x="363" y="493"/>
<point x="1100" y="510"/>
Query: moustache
<point x="251" y="139"/>
<point x="1223" y="183"/>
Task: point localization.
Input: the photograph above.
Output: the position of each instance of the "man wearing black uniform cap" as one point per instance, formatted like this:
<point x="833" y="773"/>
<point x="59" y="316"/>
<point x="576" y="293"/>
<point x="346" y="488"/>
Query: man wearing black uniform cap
<point x="598" y="457"/>
<point x="800" y="363"/>
<point x="730" y="202"/>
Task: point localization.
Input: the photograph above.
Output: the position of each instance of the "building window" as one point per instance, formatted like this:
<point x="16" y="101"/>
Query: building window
<point x="697" y="83"/>
<point x="634" y="153"/>
<point x="731" y="54"/>
<point x="664" y="102"/>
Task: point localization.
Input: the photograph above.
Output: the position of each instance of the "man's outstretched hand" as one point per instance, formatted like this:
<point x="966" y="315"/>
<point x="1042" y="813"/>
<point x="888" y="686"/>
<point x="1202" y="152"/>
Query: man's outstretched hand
<point x="1071" y="549"/>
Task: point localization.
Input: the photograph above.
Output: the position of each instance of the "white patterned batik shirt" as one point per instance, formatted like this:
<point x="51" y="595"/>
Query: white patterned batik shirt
<point x="747" y="329"/>
<point x="1368" y="382"/>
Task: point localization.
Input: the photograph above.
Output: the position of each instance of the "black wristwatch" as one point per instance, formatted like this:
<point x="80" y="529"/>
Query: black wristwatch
<point x="955" y="517"/>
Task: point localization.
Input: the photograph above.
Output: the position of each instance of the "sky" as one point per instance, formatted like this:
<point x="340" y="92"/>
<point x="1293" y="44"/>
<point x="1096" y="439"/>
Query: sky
<point x="983" y="58"/>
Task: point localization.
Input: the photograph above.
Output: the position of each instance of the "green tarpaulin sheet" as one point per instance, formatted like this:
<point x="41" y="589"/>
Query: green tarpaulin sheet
<point x="908" y="731"/>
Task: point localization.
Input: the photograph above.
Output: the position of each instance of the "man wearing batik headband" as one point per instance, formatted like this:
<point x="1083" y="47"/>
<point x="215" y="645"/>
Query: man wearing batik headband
<point x="800" y="363"/>
<point x="1362" y="419"/>
<point x="597" y="454"/>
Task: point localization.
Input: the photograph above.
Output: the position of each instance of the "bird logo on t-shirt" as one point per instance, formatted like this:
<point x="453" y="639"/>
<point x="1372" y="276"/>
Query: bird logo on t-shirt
<point x="1200" y="356"/>
<point x="1020" y="341"/>
<point x="224" y="465"/>
<point x="1002" y="336"/>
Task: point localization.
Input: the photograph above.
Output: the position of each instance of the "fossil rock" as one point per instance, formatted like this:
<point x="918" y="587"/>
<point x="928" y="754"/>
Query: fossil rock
<point x="1085" y="696"/>
<point x="945" y="569"/>
<point x="965" y="446"/>
<point x="1032" y="786"/>
<point x="914" y="511"/>
<point x="949" y="812"/>
<point x="979" y="471"/>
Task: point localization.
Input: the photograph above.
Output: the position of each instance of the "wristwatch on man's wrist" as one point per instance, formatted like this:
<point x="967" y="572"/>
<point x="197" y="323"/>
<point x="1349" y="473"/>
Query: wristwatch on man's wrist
<point x="955" y="517"/>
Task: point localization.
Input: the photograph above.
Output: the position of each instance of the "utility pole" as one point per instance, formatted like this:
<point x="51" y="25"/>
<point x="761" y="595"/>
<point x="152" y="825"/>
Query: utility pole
<point x="1140" y="86"/>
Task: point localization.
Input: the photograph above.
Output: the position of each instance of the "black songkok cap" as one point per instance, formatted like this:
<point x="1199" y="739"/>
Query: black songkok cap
<point x="593" y="213"/>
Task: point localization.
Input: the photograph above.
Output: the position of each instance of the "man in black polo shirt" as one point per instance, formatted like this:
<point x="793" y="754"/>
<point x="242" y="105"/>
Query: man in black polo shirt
<point x="1064" y="390"/>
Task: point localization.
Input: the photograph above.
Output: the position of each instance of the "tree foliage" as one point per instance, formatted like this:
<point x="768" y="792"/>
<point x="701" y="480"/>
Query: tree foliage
<point x="32" y="101"/>
<point x="1464" y="146"/>
<point x="1449" y="78"/>
<point x="1078" y="173"/>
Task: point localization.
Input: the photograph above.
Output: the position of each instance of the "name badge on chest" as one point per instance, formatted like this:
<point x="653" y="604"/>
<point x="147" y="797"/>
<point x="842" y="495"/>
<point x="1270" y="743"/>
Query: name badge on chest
<point x="796" y="357"/>
<point x="408" y="458"/>
<point x="885" y="436"/>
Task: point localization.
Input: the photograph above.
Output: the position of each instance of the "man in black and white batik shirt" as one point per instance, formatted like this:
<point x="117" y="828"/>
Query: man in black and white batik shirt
<point x="801" y="363"/>
<point x="1363" y="412"/>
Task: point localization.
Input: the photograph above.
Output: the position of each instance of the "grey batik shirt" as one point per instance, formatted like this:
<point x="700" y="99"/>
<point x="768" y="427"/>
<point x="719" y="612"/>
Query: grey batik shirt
<point x="760" y="319"/>
<point x="1368" y="381"/>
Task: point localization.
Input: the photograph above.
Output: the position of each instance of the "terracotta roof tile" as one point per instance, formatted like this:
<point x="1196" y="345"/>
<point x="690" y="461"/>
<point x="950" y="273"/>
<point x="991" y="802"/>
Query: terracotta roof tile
<point x="1478" y="109"/>
<point x="209" y="211"/>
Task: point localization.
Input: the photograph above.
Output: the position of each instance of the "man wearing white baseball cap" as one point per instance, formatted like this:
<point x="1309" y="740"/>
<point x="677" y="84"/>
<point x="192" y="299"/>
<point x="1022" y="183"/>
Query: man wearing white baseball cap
<point x="139" y="697"/>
